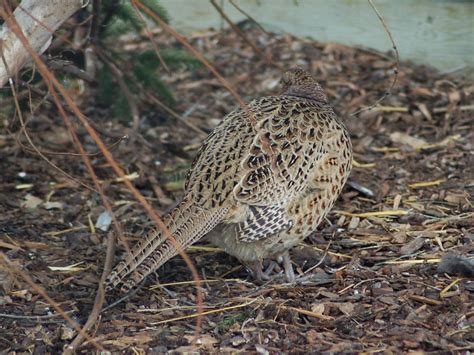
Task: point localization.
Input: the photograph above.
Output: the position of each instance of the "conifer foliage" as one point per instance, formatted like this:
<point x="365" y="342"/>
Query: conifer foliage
<point x="117" y="18"/>
<point x="101" y="27"/>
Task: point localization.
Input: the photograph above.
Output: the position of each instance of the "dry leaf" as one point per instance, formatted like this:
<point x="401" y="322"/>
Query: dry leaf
<point x="422" y="92"/>
<point x="347" y="308"/>
<point x="69" y="268"/>
<point x="138" y="338"/>
<point x="403" y="138"/>
<point x="31" y="202"/>
<point x="318" y="308"/>
<point x="103" y="222"/>
<point x="53" y="205"/>
<point x="414" y="245"/>
<point x="67" y="333"/>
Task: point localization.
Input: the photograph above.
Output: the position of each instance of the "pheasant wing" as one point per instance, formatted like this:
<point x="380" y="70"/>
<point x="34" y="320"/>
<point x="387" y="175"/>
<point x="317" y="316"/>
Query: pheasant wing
<point x="262" y="166"/>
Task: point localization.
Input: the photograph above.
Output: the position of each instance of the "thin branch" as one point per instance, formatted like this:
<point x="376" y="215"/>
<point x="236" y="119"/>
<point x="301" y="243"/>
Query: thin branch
<point x="118" y="75"/>
<point x="155" y="100"/>
<point x="24" y="130"/>
<point x="397" y="63"/>
<point x="195" y="52"/>
<point x="322" y="258"/>
<point x="246" y="14"/>
<point x="8" y="264"/>
<point x="53" y="84"/>
<point x="69" y="68"/>
<point x="67" y="154"/>
<point x="99" y="129"/>
<point x="100" y="296"/>
<point x="152" y="39"/>
<point x="244" y="37"/>
<point x="34" y="318"/>
<point x="176" y="115"/>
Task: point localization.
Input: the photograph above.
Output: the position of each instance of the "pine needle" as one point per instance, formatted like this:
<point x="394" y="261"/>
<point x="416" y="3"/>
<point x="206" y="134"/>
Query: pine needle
<point x="333" y="253"/>
<point x="362" y="165"/>
<point x="381" y="108"/>
<point x="64" y="231"/>
<point x="204" y="248"/>
<point x="444" y="291"/>
<point x="219" y="310"/>
<point x="191" y="282"/>
<point x="387" y="213"/>
<point x="442" y="143"/>
<point x="385" y="149"/>
<point x="415" y="261"/>
<point x="69" y="268"/>
<point x="426" y="183"/>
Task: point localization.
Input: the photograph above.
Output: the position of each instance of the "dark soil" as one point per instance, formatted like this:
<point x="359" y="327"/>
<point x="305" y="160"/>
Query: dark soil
<point x="376" y="286"/>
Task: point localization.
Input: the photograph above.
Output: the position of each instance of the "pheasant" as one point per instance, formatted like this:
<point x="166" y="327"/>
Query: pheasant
<point x="262" y="181"/>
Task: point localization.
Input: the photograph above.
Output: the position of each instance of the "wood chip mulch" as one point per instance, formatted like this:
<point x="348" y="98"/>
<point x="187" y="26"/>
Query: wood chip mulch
<point x="377" y="283"/>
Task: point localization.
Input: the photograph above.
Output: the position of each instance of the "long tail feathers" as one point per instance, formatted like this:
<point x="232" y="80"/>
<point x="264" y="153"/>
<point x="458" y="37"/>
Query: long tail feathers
<point x="186" y="222"/>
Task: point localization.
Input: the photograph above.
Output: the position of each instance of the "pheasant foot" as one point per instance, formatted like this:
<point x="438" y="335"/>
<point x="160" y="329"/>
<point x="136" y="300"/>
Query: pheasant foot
<point x="273" y="269"/>
<point x="255" y="269"/>
<point x="288" y="266"/>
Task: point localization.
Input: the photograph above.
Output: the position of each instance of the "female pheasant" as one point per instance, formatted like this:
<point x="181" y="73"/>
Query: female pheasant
<point x="261" y="183"/>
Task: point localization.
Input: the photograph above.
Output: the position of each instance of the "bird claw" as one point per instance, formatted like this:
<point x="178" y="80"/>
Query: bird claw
<point x="255" y="269"/>
<point x="273" y="270"/>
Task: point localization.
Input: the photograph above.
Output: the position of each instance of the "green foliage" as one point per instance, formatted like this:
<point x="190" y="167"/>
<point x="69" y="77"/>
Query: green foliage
<point x="7" y="109"/>
<point x="116" y="11"/>
<point x="118" y="18"/>
<point x="173" y="177"/>
<point x="121" y="17"/>
<point x="172" y="57"/>
<point x="140" y="69"/>
<point x="229" y="321"/>
<point x="143" y="73"/>
<point x="7" y="105"/>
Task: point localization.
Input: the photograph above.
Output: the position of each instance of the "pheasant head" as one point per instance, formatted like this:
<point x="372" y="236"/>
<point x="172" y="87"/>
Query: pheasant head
<point x="298" y="82"/>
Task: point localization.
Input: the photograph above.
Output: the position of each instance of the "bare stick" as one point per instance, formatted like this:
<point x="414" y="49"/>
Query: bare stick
<point x="152" y="39"/>
<point x="246" y="14"/>
<point x="322" y="258"/>
<point x="71" y="154"/>
<point x="155" y="100"/>
<point x="53" y="84"/>
<point x="244" y="37"/>
<point x="51" y="13"/>
<point x="6" y="261"/>
<point x="118" y="75"/>
<point x="397" y="63"/>
<point x="50" y="79"/>
<point x="92" y="123"/>
<point x="68" y="67"/>
<point x="176" y="115"/>
<point x="195" y="52"/>
<point x="100" y="296"/>
<point x="23" y="130"/>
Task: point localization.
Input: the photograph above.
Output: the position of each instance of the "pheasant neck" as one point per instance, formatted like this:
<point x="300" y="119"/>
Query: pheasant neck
<point x="312" y="92"/>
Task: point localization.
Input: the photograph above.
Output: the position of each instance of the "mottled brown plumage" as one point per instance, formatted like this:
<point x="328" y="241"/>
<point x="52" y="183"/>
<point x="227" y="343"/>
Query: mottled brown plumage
<point x="262" y="182"/>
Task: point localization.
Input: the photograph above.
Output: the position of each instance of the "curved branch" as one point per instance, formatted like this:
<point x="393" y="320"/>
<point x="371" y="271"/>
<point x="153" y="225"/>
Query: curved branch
<point x="38" y="20"/>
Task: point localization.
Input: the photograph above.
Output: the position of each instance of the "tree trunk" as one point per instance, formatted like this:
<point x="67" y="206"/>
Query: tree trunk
<point x="38" y="20"/>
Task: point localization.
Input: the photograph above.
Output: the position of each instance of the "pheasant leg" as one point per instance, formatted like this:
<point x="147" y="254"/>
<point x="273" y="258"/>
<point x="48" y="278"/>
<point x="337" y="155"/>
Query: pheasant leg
<point x="288" y="266"/>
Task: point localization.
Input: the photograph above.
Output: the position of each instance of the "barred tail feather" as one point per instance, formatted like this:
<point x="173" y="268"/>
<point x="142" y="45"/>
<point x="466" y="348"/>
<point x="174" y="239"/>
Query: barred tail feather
<point x="186" y="222"/>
